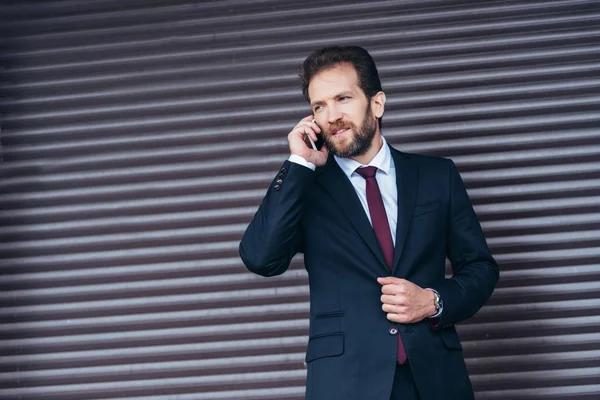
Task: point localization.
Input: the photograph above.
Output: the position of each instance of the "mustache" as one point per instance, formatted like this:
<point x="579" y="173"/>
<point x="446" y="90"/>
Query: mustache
<point x="339" y="125"/>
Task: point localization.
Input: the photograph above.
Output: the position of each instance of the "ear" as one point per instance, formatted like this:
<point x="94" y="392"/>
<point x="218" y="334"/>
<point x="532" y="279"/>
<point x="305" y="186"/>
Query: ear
<point x="378" y="104"/>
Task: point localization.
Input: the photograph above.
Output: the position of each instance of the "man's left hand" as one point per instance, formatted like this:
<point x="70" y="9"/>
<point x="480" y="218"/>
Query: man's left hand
<point x="405" y="302"/>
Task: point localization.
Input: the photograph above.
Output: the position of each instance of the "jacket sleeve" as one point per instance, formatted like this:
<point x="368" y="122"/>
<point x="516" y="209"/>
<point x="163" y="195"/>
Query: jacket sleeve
<point x="275" y="235"/>
<point x="475" y="272"/>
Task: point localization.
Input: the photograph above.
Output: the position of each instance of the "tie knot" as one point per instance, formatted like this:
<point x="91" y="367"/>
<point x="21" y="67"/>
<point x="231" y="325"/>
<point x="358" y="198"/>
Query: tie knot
<point x="367" y="172"/>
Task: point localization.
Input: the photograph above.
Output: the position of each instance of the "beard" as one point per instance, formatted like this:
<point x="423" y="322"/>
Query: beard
<point x="360" y="142"/>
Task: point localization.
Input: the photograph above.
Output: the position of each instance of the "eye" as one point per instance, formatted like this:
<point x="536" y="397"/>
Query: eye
<point x="317" y="108"/>
<point x="344" y="98"/>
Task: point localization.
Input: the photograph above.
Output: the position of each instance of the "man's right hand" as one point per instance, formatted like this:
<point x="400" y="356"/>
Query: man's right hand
<point x="299" y="147"/>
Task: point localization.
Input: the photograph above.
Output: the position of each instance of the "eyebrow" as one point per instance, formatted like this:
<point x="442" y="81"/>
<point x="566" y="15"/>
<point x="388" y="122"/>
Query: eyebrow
<point x="337" y="96"/>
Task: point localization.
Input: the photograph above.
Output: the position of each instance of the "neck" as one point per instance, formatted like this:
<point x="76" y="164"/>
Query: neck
<point x="376" y="145"/>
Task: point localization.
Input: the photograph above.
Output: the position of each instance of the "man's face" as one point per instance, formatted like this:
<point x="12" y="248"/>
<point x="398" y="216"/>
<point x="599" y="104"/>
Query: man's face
<point x="343" y="111"/>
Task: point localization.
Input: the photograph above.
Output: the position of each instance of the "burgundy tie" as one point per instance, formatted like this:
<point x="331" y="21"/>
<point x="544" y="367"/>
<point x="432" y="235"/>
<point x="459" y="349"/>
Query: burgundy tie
<point x="381" y="228"/>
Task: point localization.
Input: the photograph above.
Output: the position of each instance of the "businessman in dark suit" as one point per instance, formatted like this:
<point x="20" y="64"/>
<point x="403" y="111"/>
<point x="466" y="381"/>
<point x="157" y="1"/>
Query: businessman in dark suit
<point x="375" y="226"/>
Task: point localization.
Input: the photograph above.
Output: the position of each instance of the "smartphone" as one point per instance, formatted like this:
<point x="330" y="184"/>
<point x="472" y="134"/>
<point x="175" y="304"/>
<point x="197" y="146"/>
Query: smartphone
<point x="313" y="145"/>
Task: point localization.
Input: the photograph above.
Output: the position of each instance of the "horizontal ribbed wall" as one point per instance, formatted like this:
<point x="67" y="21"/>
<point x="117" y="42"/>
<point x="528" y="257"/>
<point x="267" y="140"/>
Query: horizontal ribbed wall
<point x="139" y="137"/>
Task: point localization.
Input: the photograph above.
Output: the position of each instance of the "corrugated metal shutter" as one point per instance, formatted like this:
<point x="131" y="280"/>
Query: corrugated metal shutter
<point x="140" y="136"/>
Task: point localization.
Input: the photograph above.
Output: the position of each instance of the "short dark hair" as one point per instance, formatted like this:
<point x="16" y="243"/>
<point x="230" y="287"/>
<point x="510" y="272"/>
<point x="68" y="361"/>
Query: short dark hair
<point x="330" y="57"/>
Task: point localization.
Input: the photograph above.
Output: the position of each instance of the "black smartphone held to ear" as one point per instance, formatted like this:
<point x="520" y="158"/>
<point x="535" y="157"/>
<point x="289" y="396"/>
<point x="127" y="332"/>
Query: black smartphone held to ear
<point x="313" y="145"/>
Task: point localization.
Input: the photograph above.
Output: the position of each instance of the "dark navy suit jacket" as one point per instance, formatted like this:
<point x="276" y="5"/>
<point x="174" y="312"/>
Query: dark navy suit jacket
<point x="351" y="353"/>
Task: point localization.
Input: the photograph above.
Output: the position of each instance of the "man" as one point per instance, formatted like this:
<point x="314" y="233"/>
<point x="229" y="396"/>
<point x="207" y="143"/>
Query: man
<point x="375" y="226"/>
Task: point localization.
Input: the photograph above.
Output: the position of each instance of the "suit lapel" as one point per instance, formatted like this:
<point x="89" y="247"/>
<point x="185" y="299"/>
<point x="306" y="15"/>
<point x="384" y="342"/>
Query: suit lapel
<point x="337" y="184"/>
<point x="406" y="183"/>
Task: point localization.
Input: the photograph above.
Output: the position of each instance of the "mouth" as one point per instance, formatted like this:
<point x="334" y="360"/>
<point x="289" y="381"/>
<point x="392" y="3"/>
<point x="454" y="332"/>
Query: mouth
<point x="339" y="131"/>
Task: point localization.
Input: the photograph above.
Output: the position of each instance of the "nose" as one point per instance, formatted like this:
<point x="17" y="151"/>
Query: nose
<point x="334" y="115"/>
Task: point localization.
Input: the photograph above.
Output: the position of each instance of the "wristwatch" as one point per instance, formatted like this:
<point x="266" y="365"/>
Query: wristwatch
<point x="439" y="305"/>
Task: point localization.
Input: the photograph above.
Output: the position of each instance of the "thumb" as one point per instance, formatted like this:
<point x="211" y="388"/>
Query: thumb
<point x="387" y="280"/>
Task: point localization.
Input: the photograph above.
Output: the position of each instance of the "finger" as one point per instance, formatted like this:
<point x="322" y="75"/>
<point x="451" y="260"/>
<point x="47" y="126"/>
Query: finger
<point x="392" y="289"/>
<point x="308" y="118"/>
<point x="403" y="319"/>
<point x="393" y="299"/>
<point x="303" y="131"/>
<point x="388" y="308"/>
<point x="388" y="289"/>
<point x="306" y="129"/>
<point x="398" y="287"/>
<point x="310" y="123"/>
<point x="386" y="280"/>
<point x="315" y="126"/>
<point x="311" y="133"/>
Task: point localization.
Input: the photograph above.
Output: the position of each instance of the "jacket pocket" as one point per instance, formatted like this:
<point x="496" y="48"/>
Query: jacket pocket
<point x="326" y="322"/>
<point x="327" y="345"/>
<point x="450" y="339"/>
<point x="330" y="314"/>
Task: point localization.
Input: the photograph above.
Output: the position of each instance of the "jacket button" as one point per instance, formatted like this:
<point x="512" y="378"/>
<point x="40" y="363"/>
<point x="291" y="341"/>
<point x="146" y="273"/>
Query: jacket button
<point x="283" y="170"/>
<point x="277" y="187"/>
<point x="393" y="331"/>
<point x="279" y="181"/>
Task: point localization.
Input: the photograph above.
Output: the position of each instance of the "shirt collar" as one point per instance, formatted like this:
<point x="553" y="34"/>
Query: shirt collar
<point x="382" y="161"/>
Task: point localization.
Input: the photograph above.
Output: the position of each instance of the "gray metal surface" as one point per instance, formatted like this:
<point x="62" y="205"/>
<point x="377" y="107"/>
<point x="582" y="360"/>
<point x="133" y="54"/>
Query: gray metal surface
<point x="138" y="138"/>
